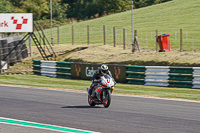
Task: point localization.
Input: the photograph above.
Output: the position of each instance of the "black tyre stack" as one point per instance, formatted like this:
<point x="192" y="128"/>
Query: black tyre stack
<point x="12" y="56"/>
<point x="1" y="51"/>
<point x="18" y="51"/>
<point x="4" y="49"/>
<point x="7" y="45"/>
<point x="24" y="50"/>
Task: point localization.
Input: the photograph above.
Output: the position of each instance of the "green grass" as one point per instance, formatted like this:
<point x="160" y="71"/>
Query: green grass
<point x="167" y="17"/>
<point x="41" y="81"/>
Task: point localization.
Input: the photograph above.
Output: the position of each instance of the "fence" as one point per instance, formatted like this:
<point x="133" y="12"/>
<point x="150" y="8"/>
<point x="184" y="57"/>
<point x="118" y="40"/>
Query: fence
<point x="188" y="77"/>
<point x="117" y="36"/>
<point x="164" y="76"/>
<point x="121" y="37"/>
<point x="52" y="68"/>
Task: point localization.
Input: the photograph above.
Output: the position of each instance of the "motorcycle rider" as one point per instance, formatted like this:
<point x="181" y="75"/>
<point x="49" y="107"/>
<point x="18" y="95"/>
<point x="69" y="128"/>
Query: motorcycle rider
<point x="103" y="70"/>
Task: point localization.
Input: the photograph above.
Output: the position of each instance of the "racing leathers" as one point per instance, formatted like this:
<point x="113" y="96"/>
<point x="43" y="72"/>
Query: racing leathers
<point x="96" y="79"/>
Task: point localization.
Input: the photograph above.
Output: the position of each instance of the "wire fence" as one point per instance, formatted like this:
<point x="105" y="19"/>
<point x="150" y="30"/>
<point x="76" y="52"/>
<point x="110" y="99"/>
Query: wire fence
<point x="95" y="35"/>
<point x="146" y="39"/>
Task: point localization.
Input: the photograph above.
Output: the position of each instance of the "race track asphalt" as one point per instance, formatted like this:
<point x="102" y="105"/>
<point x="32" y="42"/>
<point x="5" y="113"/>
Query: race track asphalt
<point x="125" y="115"/>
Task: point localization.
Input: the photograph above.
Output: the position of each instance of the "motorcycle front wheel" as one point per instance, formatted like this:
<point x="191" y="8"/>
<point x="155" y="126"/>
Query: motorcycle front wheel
<point x="107" y="99"/>
<point x="90" y="101"/>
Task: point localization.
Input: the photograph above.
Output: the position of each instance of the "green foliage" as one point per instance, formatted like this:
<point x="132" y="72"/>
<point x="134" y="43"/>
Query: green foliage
<point x="5" y="6"/>
<point x="59" y="11"/>
<point x="83" y="9"/>
<point x="78" y="9"/>
<point x="113" y="6"/>
<point x="39" y="8"/>
<point x="144" y="3"/>
<point x="16" y="3"/>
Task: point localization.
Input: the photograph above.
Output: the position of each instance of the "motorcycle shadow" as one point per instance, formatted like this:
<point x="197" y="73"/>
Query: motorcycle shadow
<point x="79" y="107"/>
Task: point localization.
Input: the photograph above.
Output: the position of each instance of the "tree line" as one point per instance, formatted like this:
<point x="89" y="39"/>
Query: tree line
<point x="76" y="9"/>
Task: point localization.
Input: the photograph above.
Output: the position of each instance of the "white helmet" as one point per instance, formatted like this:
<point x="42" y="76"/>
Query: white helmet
<point x="104" y="69"/>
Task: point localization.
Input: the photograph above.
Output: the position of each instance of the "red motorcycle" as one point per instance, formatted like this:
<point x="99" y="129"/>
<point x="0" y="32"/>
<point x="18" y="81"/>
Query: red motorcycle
<point x="103" y="91"/>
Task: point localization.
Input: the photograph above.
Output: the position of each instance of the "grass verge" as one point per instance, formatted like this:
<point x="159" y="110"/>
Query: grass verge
<point x="81" y="85"/>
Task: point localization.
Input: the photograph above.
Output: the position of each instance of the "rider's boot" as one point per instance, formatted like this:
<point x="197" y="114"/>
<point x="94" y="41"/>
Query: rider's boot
<point x="90" y="90"/>
<point x="93" y="92"/>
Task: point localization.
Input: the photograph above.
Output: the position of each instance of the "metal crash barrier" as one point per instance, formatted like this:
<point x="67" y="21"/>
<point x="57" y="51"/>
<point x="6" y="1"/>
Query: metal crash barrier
<point x="187" y="77"/>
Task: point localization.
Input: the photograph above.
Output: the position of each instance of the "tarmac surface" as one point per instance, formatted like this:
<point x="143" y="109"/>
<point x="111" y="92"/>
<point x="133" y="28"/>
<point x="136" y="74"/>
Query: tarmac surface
<point x="127" y="114"/>
<point x="4" y="128"/>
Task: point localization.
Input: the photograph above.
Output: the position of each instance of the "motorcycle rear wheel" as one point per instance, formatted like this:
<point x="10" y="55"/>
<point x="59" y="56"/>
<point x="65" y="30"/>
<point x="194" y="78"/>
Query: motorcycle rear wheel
<point x="107" y="100"/>
<point x="90" y="101"/>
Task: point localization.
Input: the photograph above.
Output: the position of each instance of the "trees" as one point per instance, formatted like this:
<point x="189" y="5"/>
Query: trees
<point x="59" y="11"/>
<point x="5" y="6"/>
<point x="144" y="3"/>
<point x="78" y="9"/>
<point x="16" y="3"/>
<point x="113" y="6"/>
<point x="83" y="9"/>
<point x="39" y="8"/>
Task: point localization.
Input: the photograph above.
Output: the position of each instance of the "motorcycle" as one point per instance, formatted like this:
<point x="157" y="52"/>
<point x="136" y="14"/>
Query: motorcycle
<point x="104" y="90"/>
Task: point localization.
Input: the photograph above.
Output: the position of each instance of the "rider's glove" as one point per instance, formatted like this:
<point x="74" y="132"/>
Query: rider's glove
<point x="97" y="81"/>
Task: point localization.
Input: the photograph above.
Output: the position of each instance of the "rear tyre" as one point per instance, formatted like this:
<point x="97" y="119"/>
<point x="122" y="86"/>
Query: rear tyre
<point x="107" y="100"/>
<point x="90" y="101"/>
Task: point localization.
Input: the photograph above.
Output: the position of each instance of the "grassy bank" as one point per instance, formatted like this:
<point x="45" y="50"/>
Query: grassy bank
<point x="109" y="54"/>
<point x="167" y="18"/>
<point x="81" y="85"/>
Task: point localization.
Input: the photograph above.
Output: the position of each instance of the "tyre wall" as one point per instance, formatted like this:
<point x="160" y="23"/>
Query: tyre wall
<point x="7" y="45"/>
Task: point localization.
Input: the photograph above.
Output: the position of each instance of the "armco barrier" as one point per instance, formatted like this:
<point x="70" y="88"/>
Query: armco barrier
<point x="164" y="76"/>
<point x="52" y="68"/>
<point x="75" y="70"/>
<point x="188" y="77"/>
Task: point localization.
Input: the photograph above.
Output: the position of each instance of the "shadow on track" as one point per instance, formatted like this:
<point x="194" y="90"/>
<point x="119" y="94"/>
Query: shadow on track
<point x="78" y="107"/>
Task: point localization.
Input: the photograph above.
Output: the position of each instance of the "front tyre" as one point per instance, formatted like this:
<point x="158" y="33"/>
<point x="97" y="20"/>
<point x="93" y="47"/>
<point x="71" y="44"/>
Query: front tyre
<point x="90" y="101"/>
<point x="107" y="99"/>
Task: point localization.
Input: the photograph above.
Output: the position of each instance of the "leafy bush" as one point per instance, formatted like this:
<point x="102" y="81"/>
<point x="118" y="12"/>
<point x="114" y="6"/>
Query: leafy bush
<point x="5" y="7"/>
